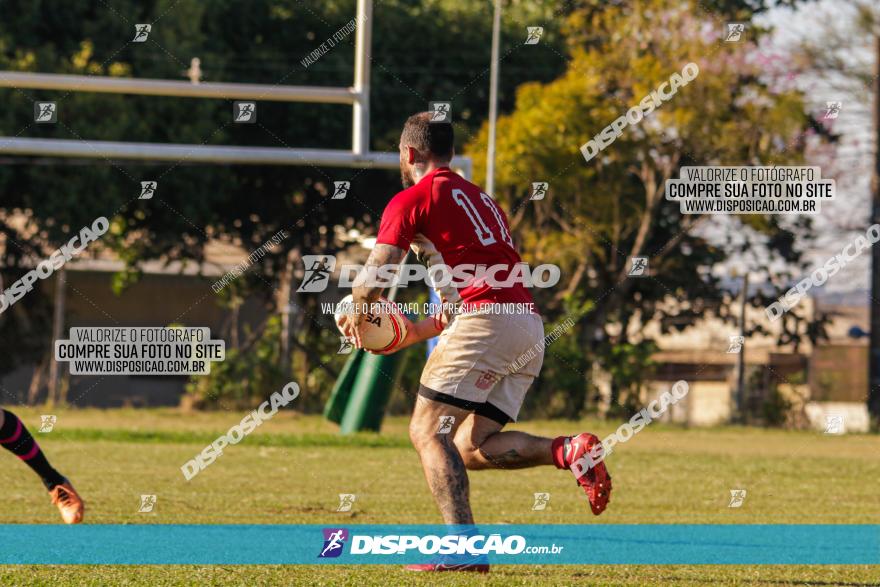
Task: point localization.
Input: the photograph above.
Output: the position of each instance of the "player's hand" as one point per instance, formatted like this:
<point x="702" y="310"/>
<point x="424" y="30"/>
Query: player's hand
<point x="350" y="325"/>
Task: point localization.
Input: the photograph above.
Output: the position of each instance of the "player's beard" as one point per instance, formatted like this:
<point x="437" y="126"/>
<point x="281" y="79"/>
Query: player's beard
<point x="406" y="177"/>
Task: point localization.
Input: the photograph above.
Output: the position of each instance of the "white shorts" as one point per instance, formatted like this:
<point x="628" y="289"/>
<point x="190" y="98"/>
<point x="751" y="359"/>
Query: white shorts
<point x="486" y="363"/>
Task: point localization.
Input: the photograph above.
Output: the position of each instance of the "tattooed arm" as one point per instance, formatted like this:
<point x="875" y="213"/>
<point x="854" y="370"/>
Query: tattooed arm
<point x="368" y="286"/>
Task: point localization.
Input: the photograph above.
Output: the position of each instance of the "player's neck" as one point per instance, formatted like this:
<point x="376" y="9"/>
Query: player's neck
<point x="421" y="170"/>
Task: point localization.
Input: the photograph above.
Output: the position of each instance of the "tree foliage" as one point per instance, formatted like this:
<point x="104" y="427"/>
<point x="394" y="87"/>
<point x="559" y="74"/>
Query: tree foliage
<point x="599" y="214"/>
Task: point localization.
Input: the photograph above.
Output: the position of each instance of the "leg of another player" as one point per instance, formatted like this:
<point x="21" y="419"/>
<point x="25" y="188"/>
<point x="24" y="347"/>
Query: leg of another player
<point x="17" y="439"/>
<point x="432" y="435"/>
<point x="482" y="445"/>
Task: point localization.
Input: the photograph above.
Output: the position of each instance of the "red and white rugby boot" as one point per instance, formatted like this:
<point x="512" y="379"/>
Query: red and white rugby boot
<point x="584" y="456"/>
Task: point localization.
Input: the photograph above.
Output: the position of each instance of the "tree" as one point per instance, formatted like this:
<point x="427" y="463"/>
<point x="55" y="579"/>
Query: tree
<point x="600" y="214"/>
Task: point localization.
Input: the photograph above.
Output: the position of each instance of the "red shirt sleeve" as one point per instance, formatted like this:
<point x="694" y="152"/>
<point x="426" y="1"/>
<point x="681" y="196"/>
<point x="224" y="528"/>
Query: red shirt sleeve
<point x="400" y="220"/>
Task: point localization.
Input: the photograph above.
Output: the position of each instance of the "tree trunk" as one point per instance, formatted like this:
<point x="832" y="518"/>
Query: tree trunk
<point x="38" y="379"/>
<point x="57" y="333"/>
<point x="282" y="303"/>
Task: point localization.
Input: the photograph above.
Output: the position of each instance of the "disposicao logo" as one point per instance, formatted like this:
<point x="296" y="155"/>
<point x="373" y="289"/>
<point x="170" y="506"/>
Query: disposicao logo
<point x="334" y="539"/>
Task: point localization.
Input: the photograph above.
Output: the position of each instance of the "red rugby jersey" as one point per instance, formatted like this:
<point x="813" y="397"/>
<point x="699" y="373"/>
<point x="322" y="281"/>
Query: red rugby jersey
<point x="449" y="220"/>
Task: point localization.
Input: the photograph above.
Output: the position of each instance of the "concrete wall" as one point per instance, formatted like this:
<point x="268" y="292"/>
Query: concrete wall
<point x="708" y="403"/>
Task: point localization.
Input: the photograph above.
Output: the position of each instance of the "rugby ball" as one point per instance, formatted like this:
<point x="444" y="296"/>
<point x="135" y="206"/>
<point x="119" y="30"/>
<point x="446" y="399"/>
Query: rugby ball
<point x="384" y="326"/>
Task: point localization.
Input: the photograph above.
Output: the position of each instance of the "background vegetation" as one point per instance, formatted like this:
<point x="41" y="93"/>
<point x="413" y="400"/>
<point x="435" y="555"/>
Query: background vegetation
<point x="594" y="61"/>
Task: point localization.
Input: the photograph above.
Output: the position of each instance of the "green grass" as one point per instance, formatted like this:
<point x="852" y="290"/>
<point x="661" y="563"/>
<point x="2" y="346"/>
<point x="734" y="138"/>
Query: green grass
<point x="291" y="469"/>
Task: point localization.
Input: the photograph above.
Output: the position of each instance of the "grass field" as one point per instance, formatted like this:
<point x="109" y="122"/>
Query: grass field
<point x="291" y="470"/>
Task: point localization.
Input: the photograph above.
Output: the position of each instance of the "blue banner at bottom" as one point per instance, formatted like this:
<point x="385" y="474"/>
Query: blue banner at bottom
<point x="661" y="544"/>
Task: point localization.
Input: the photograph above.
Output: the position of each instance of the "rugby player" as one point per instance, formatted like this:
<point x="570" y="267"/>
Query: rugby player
<point x="475" y="374"/>
<point x="16" y="438"/>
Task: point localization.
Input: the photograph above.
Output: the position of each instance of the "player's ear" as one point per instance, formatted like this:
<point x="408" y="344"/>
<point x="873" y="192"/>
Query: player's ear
<point x="411" y="155"/>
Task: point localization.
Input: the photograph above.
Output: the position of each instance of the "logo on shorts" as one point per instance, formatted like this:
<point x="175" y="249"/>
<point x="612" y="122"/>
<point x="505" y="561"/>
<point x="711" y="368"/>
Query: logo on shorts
<point x="334" y="539"/>
<point x="487" y="380"/>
